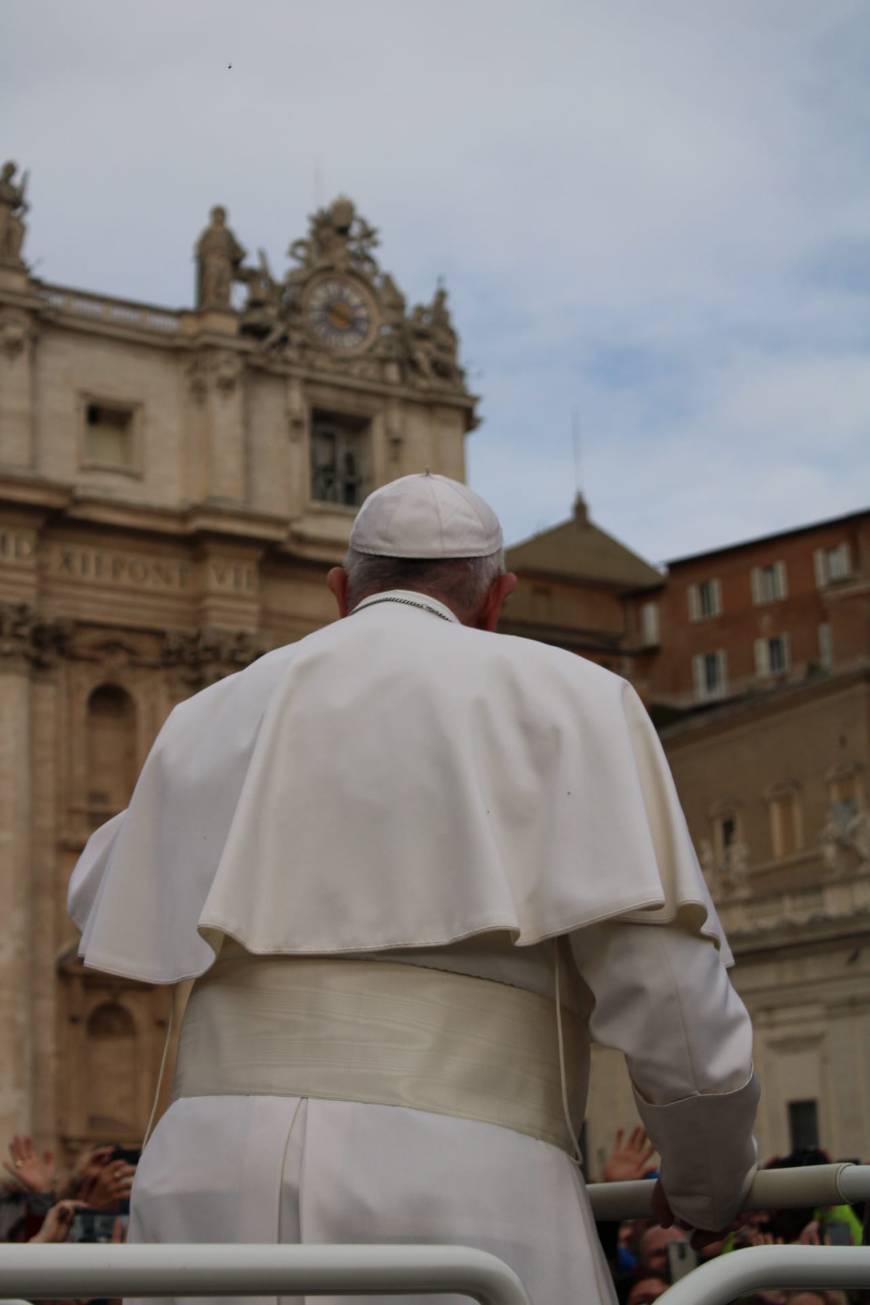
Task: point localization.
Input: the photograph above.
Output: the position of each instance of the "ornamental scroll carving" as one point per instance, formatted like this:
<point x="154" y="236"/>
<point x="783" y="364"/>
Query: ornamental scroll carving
<point x="26" y="639"/>
<point x="203" y="657"/>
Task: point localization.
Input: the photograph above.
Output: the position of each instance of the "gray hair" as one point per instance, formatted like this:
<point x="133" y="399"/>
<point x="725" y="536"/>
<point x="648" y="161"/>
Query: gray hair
<point x="461" y="582"/>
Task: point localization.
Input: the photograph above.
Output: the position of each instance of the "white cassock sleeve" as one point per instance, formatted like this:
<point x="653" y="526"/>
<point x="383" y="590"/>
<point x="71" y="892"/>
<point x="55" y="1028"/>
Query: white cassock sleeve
<point x="663" y="997"/>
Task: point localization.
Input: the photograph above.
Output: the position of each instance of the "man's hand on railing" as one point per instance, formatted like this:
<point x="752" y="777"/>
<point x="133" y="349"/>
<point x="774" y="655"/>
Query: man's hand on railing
<point x="700" y="1238"/>
<point x="628" y="1161"/>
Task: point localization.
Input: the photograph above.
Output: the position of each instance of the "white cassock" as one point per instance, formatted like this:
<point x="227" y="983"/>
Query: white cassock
<point x="363" y="848"/>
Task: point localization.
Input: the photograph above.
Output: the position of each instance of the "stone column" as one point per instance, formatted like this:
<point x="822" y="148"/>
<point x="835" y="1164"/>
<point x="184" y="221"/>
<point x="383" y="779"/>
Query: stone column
<point x="15" y="887"/>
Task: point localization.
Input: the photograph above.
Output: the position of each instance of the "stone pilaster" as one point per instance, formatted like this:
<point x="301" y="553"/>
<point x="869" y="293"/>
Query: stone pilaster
<point x="15" y="885"/>
<point x="17" y="337"/>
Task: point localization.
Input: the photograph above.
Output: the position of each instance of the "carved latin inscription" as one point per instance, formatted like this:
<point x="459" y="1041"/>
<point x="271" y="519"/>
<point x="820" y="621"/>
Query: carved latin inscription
<point x="16" y="546"/>
<point x="113" y="567"/>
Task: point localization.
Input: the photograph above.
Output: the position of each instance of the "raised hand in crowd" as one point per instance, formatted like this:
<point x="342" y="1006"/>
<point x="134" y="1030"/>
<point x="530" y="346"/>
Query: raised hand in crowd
<point x="58" y="1222"/>
<point x="106" y="1182"/>
<point x="31" y="1171"/>
<point x="629" y="1160"/>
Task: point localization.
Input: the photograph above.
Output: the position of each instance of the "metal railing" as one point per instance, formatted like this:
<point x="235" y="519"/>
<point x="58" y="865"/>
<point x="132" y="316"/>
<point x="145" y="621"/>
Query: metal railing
<point x="772" y="1189"/>
<point x="266" y="1270"/>
<point x="254" y="1270"/>
<point x="83" y="1271"/>
<point x="804" y="1267"/>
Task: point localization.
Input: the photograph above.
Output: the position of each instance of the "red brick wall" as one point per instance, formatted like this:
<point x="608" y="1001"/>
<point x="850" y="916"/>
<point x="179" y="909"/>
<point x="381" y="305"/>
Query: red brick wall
<point x="844" y="605"/>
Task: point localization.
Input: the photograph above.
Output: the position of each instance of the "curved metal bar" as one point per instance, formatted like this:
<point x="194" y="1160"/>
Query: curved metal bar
<point x="722" y="1280"/>
<point x="256" y="1270"/>
<point x="772" y="1189"/>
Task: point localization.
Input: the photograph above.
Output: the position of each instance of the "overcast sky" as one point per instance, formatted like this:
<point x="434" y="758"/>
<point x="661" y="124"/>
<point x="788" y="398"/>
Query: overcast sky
<point x="653" y="214"/>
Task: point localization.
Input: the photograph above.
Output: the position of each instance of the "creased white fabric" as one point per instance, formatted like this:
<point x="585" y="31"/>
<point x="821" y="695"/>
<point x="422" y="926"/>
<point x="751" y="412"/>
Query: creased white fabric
<point x="358" y="1172"/>
<point x="391" y="780"/>
<point x="664" y="998"/>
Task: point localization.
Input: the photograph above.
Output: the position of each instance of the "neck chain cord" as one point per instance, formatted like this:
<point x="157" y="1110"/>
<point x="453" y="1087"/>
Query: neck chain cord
<point x="577" y="1157"/>
<point x="408" y="602"/>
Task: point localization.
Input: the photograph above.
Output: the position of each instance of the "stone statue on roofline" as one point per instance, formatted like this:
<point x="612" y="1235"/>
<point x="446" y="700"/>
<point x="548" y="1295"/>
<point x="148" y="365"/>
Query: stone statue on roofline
<point x="13" y="206"/>
<point x="218" y="262"/>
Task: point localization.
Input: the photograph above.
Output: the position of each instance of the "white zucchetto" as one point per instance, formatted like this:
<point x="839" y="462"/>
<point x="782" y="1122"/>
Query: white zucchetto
<point x="426" y="516"/>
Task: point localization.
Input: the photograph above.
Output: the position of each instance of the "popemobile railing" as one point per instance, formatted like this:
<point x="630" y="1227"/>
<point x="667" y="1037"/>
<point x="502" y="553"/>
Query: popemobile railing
<point x="82" y="1271"/>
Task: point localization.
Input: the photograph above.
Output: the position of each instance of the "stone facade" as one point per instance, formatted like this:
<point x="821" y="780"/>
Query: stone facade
<point x="173" y="487"/>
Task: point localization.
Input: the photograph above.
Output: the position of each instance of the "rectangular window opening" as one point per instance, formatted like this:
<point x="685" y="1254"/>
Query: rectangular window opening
<point x="803" y="1125"/>
<point x="340" y="458"/>
<point x="108" y="436"/>
<point x="785" y="825"/>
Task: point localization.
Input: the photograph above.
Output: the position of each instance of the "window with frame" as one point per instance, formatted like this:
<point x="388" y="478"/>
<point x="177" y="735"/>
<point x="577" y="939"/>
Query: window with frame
<point x="826" y="646"/>
<point x="340" y="458"/>
<point x="803" y="1125"/>
<point x="705" y="600"/>
<point x="709" y="675"/>
<point x="832" y="564"/>
<point x="786" y="830"/>
<point x="649" y="624"/>
<point x="772" y="655"/>
<point x="725" y="835"/>
<point x="769" y="583"/>
<point x="844" y="798"/>
<point x="109" y="436"/>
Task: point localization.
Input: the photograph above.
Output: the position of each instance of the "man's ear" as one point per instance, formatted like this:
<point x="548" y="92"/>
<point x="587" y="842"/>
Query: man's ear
<point x="499" y="591"/>
<point x="337" y="582"/>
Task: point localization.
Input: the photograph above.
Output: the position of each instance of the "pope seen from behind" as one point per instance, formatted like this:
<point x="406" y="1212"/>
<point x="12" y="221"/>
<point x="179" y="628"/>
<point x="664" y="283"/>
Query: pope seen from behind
<point x="407" y="869"/>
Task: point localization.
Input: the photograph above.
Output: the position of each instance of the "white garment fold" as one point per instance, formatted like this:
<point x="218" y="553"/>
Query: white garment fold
<point x="392" y="780"/>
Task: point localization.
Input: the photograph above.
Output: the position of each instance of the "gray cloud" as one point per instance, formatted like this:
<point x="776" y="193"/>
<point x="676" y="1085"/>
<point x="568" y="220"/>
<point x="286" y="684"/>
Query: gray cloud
<point x="656" y="213"/>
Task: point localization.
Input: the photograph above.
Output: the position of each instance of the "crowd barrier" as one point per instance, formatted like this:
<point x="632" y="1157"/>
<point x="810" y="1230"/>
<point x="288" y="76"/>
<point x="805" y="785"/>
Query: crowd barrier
<point x="81" y="1271"/>
<point x="772" y="1189"/>
<point x="254" y="1270"/>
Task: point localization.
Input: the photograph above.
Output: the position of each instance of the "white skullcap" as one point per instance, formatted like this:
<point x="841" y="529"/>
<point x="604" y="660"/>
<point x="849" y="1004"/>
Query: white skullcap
<point x="426" y="516"/>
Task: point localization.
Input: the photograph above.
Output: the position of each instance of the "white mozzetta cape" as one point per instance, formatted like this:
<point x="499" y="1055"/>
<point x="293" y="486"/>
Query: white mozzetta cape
<point x="393" y="780"/>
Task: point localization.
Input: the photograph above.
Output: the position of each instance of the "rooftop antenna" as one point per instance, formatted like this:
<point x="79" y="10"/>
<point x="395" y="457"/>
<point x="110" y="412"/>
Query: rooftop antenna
<point x="575" y="441"/>
<point x="580" y="511"/>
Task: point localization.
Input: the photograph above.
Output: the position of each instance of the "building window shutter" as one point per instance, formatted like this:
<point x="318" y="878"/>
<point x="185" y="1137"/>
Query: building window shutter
<point x="762" y="657"/>
<point x="781" y="582"/>
<point x="826" y="645"/>
<point x="786" y="651"/>
<point x="694" y="604"/>
<point x="649" y="624"/>
<point x="843" y="563"/>
<point x="699" y="679"/>
<point x="821" y="567"/>
<point x="717" y="597"/>
<point x="756" y="586"/>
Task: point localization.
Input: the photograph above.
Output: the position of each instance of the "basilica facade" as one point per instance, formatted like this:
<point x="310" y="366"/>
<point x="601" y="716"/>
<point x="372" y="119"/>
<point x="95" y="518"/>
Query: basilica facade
<point x="174" y="484"/>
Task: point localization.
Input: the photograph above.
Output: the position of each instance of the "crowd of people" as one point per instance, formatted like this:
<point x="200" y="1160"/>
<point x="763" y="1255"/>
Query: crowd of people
<point x="90" y="1204"/>
<point x="645" y="1258"/>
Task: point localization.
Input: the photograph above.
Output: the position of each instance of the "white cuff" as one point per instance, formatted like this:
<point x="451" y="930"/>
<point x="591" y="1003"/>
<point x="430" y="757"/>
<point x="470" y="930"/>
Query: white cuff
<point x="709" y="1156"/>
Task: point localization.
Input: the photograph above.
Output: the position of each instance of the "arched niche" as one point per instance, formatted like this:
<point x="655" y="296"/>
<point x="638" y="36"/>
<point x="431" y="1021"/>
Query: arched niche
<point x="112" y="761"/>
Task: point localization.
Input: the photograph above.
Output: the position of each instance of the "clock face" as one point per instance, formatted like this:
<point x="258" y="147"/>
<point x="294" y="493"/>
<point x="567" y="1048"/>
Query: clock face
<point x="340" y="314"/>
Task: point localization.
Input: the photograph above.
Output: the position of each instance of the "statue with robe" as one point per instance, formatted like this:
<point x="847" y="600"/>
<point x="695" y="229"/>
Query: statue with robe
<point x="13" y="206"/>
<point x="219" y="258"/>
